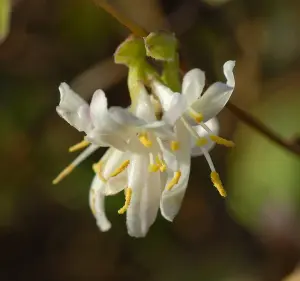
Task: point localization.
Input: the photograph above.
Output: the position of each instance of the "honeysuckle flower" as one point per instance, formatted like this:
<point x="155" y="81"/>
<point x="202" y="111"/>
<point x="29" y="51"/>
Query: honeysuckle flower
<point x="191" y="108"/>
<point x="96" y="120"/>
<point x="141" y="175"/>
<point x="148" y="183"/>
<point x="113" y="127"/>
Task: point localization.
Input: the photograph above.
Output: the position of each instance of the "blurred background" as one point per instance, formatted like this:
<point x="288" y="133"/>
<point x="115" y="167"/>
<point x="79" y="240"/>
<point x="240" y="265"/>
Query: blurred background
<point x="48" y="232"/>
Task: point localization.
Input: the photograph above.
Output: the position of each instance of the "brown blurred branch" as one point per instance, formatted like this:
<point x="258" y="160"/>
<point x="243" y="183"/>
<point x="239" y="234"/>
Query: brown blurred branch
<point x="242" y="115"/>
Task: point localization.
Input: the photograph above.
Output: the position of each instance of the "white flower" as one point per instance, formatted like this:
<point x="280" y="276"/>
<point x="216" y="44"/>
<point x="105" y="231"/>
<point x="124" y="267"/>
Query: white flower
<point x="73" y="109"/>
<point x="141" y="175"/>
<point x="196" y="106"/>
<point x="113" y="127"/>
<point x="95" y="119"/>
<point x="188" y="109"/>
<point x="149" y="182"/>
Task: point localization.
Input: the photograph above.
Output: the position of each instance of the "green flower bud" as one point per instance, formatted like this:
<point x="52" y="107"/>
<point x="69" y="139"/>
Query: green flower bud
<point x="131" y="51"/>
<point x="161" y="46"/>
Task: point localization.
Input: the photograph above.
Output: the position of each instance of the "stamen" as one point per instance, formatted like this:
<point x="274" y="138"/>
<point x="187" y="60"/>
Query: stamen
<point x="97" y="167"/>
<point x="174" y="180"/>
<point x="162" y="165"/>
<point x="175" y="145"/>
<point x="145" y="140"/>
<point x="222" y="141"/>
<point x="201" y="141"/>
<point x="198" y="117"/>
<point x="79" y="146"/>
<point x="63" y="174"/>
<point x="119" y="170"/>
<point x="215" y="178"/>
<point x="81" y="157"/>
<point x="128" y="194"/>
<point x="153" y="167"/>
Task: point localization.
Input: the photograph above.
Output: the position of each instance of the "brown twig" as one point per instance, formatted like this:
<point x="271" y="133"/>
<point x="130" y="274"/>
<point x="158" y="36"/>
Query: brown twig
<point x="242" y="115"/>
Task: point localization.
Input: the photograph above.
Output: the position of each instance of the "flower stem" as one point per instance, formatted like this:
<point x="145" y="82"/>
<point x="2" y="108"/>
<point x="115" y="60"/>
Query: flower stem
<point x="129" y="24"/>
<point x="242" y="115"/>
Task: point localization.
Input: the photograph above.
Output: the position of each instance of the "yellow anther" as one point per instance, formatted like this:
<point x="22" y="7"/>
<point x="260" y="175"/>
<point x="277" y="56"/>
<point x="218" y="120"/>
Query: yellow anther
<point x="128" y="194"/>
<point x="153" y="167"/>
<point x="198" y="117"/>
<point x="63" y="174"/>
<point x="222" y="141"/>
<point x="79" y="146"/>
<point x="145" y="140"/>
<point x="175" y="145"/>
<point x="201" y="141"/>
<point x="119" y="170"/>
<point x="174" y="180"/>
<point x="215" y="178"/>
<point x="162" y="165"/>
<point x="97" y="167"/>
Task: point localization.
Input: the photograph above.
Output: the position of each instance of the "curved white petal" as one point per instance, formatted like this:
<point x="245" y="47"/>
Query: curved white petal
<point x="69" y="100"/>
<point x="124" y="117"/>
<point x="73" y="109"/>
<point x="98" y="108"/>
<point x="177" y="106"/>
<point x="192" y="85"/>
<point x="213" y="100"/>
<point x="213" y="125"/>
<point x="106" y="139"/>
<point x="150" y="200"/>
<point x="116" y="184"/>
<point x="171" y="199"/>
<point x="96" y="201"/>
<point x="163" y="93"/>
<point x="228" y="72"/>
<point x="160" y="129"/>
<point x="136" y="180"/>
<point x="144" y="108"/>
<point x="112" y="160"/>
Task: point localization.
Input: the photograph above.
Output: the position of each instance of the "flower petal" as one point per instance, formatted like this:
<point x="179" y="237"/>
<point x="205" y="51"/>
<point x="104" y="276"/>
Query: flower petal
<point x="213" y="100"/>
<point x="69" y="100"/>
<point x="163" y="93"/>
<point x="106" y="139"/>
<point x="150" y="200"/>
<point x="160" y="129"/>
<point x="171" y="199"/>
<point x="116" y="184"/>
<point x="192" y="85"/>
<point x="228" y="72"/>
<point x="136" y="180"/>
<point x="177" y="106"/>
<point x="144" y="108"/>
<point x="123" y="117"/>
<point x="213" y="125"/>
<point x="96" y="200"/>
<point x="98" y="108"/>
<point x="73" y="108"/>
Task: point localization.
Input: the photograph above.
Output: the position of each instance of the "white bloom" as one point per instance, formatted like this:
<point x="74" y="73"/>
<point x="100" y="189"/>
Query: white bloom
<point x="188" y="109"/>
<point x="141" y="175"/>
<point x="113" y="127"/>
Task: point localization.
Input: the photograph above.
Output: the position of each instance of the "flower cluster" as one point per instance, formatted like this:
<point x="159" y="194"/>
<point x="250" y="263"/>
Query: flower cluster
<point x="149" y="154"/>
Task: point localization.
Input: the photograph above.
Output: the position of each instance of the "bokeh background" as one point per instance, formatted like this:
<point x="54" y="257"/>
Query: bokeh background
<point x="48" y="233"/>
